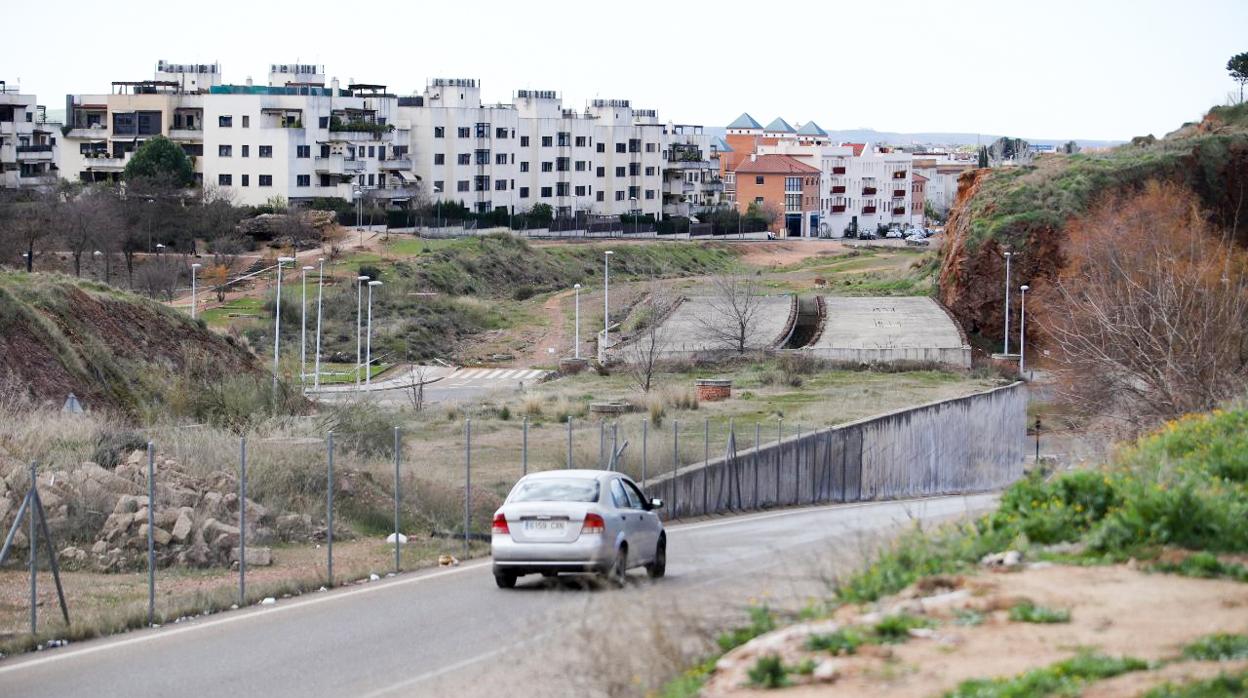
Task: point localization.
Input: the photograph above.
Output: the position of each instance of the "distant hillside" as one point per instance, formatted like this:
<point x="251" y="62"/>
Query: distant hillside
<point x="866" y="135"/>
<point x="1026" y="209"/>
<point x="110" y="348"/>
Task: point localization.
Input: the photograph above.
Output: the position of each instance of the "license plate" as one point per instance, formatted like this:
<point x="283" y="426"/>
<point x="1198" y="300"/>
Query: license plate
<point x="546" y="527"/>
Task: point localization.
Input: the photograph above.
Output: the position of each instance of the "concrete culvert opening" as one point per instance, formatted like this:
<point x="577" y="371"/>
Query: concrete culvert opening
<point x="808" y="324"/>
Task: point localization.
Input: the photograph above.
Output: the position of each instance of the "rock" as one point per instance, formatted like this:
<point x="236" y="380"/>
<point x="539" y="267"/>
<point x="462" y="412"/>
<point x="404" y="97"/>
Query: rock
<point x="402" y="539"/>
<point x="827" y="670"/>
<point x="161" y="537"/>
<point x="294" y="527"/>
<point x="136" y="457"/>
<point x="445" y="560"/>
<point x="212" y="504"/>
<point x="256" y="556"/>
<point x="99" y="548"/>
<point x="182" y="527"/>
<point x="373" y="578"/>
<point x="1009" y="559"/>
<point x="130" y="503"/>
<point x="268" y="601"/>
<point x="74" y="554"/>
<point x="166" y="518"/>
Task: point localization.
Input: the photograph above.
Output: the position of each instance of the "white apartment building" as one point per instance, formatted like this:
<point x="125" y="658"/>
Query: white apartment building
<point x="28" y="141"/>
<point x="942" y="179"/>
<point x="691" y="179"/>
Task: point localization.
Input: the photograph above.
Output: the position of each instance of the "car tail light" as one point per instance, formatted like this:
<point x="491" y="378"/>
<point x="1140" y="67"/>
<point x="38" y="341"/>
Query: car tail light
<point x="593" y="524"/>
<point x="500" y="525"/>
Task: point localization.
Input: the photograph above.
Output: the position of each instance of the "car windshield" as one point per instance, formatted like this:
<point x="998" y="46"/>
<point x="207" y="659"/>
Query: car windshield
<point x="556" y="489"/>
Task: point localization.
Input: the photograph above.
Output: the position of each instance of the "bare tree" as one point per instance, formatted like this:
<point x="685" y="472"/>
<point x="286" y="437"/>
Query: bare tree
<point x="416" y="386"/>
<point x="26" y="222"/>
<point x="642" y="355"/>
<point x="735" y="303"/>
<point x="159" y="276"/>
<point x="86" y="222"/>
<point x="1150" y="316"/>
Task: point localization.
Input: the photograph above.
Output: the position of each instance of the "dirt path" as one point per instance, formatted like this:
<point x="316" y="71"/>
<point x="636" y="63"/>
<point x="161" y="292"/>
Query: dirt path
<point x="555" y="333"/>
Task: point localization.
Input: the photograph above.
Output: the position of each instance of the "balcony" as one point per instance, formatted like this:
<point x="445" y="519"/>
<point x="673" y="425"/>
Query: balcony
<point x="868" y="209"/>
<point x="899" y="174"/>
<point x="838" y="209"/>
<point x="403" y="163"/>
<point x="688" y="165"/>
<point x="28" y="153"/>
<point x="899" y="193"/>
<point x="899" y="210"/>
<point x="838" y="189"/>
<point x="713" y="185"/>
<point x="868" y="191"/>
<point x="105" y="164"/>
<point x="186" y="134"/>
<point x="337" y="164"/>
<point x="86" y="134"/>
<point x="838" y="170"/>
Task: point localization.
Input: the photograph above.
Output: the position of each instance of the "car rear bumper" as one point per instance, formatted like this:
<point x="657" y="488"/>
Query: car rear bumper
<point x="589" y="553"/>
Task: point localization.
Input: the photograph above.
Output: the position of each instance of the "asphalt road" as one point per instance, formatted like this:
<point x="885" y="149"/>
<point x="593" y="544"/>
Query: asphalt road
<point x="451" y="632"/>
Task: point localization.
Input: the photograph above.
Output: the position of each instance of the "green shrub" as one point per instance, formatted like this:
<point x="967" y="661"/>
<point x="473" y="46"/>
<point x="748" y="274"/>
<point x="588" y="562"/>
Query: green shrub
<point x="1027" y="612"/>
<point x="1056" y="510"/>
<point x="1221" y="647"/>
<point x="761" y="621"/>
<point x="371" y="271"/>
<point x="1063" y="678"/>
<point x="769" y="672"/>
<point x="1222" y="686"/>
<point x="1204" y="565"/>
<point x="896" y="629"/>
<point x="362" y="428"/>
<point x="843" y="641"/>
<point x="115" y="444"/>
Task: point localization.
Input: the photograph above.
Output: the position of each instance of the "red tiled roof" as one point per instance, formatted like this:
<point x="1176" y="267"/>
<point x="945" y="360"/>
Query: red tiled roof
<point x="918" y="177"/>
<point x="858" y="148"/>
<point x="776" y="164"/>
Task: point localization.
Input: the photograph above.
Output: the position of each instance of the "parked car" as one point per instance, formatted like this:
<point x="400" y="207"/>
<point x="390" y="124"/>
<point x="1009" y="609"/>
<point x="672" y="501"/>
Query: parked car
<point x="577" y="521"/>
<point x="917" y="241"/>
<point x="894" y="234"/>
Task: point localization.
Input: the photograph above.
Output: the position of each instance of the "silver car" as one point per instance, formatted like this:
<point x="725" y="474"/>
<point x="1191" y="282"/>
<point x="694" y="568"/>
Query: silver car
<point x="592" y="521"/>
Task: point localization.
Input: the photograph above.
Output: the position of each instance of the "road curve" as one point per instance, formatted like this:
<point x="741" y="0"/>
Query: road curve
<point x="449" y="629"/>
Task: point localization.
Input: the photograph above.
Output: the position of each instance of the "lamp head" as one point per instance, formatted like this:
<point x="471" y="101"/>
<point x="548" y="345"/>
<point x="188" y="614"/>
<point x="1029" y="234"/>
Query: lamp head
<point x="196" y="265"/>
<point x="578" y="286"/>
<point x="284" y="260"/>
<point x="1024" y="288"/>
<point x="309" y="268"/>
<point x="374" y="283"/>
<point x="363" y="278"/>
<point x="609" y="252"/>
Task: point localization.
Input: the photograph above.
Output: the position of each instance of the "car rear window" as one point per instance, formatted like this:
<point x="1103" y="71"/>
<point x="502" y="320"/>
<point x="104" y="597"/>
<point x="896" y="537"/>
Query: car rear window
<point x="550" y="489"/>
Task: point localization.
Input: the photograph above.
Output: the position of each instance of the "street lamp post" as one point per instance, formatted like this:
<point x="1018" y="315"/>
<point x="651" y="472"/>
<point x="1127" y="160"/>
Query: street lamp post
<point x="1022" y="333"/>
<point x="606" y="293"/>
<point x="632" y="203"/>
<point x="97" y="254"/>
<point x="359" y="311"/>
<point x="368" y="360"/>
<point x="194" y="268"/>
<point x="277" y="316"/>
<point x="159" y="248"/>
<point x="320" y="285"/>
<point x="1008" y="255"/>
<point x="359" y="216"/>
<point x="576" y="341"/>
<point x="438" y="190"/>
<point x="303" y="327"/>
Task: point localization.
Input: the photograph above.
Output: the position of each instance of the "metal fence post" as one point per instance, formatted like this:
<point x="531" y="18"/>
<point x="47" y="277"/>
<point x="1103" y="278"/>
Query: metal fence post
<point x="797" y="467"/>
<point x="758" y="430"/>
<point x="615" y="445"/>
<point x="779" y="455"/>
<point x="645" y="433"/>
<point x="242" y="522"/>
<point x="524" y="449"/>
<point x="569" y="442"/>
<point x="706" y="456"/>
<point x="396" y="500"/>
<point x="602" y="442"/>
<point x="329" y="509"/>
<point x="675" y="465"/>
<point x="34" y="580"/>
<point x="151" y="539"/>
<point x="467" y="483"/>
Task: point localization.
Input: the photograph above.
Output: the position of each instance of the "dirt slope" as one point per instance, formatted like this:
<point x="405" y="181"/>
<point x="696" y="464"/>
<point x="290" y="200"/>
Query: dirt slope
<point x="110" y="348"/>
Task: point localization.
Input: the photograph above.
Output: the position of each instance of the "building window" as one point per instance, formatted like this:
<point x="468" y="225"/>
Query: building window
<point x="649" y="193"/>
<point x="581" y="165"/>
<point x="500" y="133"/>
<point x="545" y="192"/>
<point x="548" y="166"/>
<point x="246" y="151"/>
<point x="546" y="141"/>
<point x="464" y="132"/>
<point x="267" y="180"/>
<point x="465" y="159"/>
<point x="524" y="141"/>
<point x="303" y="151"/>
<point x="562" y="164"/>
<point x="500" y="185"/>
<point x="649" y="147"/>
<point x="758" y="200"/>
<point x="224" y="151"/>
<point x="792" y="183"/>
<point x="246" y="180"/>
<point x="601" y="172"/>
<point x="439" y="186"/>
<point x="634" y="145"/>
<point x="601" y="195"/>
<point x="619" y="196"/>
<point x="266" y="151"/>
<point x="619" y="171"/>
<point x="580" y="190"/>
<point x="370" y="180"/>
<point x="303" y="180"/>
<point x="524" y="166"/>
<point x="758" y="179"/>
<point x="634" y="169"/>
<point x="634" y="192"/>
<point x="225" y="121"/>
<point x="324" y="121"/>
<point x="462" y="185"/>
<point x="224" y="180"/>
<point x="483" y="183"/>
<point x="439" y="132"/>
<point x="650" y="171"/>
<point x="561" y="189"/>
<point x="524" y="192"/>
<point x="500" y="158"/>
<point x="439" y="158"/>
<point x="601" y="147"/>
<point x="621" y="148"/>
<point x="372" y="151"/>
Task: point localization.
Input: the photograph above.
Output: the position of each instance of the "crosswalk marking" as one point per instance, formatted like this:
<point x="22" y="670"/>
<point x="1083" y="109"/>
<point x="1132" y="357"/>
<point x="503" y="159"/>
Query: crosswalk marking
<point x="485" y="377"/>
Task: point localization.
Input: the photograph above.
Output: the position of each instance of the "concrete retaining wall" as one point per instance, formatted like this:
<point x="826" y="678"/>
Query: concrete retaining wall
<point x="967" y="444"/>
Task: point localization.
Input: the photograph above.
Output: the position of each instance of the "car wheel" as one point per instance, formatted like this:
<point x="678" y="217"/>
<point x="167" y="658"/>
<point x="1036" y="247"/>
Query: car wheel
<point x="505" y="580"/>
<point x="658" y="568"/>
<point x="618" y="572"/>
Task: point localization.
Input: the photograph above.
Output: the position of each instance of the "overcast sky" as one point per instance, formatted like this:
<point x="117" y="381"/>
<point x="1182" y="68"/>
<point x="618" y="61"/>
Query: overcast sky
<point x="1095" y="69"/>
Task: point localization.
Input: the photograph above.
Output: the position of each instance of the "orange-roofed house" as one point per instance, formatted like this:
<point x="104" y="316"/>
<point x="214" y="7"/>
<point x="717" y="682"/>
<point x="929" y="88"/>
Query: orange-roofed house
<point x="784" y="185"/>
